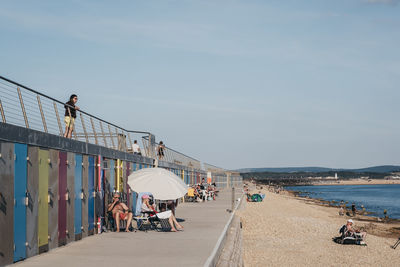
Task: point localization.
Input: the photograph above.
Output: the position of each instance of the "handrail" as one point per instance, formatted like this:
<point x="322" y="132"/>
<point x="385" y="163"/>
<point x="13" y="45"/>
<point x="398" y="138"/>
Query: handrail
<point x="208" y="166"/>
<point x="177" y="152"/>
<point x="88" y="128"/>
<point x="55" y="100"/>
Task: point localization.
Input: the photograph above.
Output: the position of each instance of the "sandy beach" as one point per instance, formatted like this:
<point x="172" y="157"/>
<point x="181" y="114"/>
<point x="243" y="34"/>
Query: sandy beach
<point x="287" y="231"/>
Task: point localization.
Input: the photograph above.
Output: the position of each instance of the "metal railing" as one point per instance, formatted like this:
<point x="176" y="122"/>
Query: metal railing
<point x="212" y="168"/>
<point x="171" y="155"/>
<point x="236" y="180"/>
<point x="26" y="107"/>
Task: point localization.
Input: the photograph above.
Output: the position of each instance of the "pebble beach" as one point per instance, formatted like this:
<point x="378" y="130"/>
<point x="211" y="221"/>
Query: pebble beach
<point x="284" y="230"/>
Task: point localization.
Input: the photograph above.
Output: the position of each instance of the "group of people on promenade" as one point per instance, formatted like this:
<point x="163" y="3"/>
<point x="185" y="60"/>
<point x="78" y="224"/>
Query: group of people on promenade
<point x="166" y="210"/>
<point x="202" y="192"/>
<point x="121" y="212"/>
<point x="118" y="209"/>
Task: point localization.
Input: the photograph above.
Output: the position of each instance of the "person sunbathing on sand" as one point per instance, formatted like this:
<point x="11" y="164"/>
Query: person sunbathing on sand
<point x="349" y="230"/>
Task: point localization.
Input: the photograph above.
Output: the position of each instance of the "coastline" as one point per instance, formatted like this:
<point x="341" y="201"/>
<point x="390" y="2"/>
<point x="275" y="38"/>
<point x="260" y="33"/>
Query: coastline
<point x="385" y="228"/>
<point x="289" y="230"/>
<point x="365" y="214"/>
<point x="357" y="182"/>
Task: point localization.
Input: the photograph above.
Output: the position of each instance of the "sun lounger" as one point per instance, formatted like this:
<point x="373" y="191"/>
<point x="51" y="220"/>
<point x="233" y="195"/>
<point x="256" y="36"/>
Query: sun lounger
<point x="355" y="239"/>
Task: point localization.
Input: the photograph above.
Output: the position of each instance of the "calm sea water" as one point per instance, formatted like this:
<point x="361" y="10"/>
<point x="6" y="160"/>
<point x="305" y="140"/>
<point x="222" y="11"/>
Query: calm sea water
<point x="375" y="198"/>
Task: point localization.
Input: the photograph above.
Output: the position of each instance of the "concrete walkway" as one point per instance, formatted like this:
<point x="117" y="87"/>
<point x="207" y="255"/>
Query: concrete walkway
<point x="204" y="223"/>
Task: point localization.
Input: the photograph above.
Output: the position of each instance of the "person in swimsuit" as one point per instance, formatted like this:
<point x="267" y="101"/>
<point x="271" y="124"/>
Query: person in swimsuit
<point x="120" y="211"/>
<point x="160" y="150"/>
<point x="350" y="231"/>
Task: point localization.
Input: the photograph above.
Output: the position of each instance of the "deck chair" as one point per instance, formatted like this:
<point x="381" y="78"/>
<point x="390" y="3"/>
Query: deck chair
<point x="111" y="224"/>
<point x="160" y="222"/>
<point x="190" y="197"/>
<point x="108" y="220"/>
<point x="164" y="225"/>
<point x="144" y="220"/>
<point x="348" y="240"/>
<point x="149" y="220"/>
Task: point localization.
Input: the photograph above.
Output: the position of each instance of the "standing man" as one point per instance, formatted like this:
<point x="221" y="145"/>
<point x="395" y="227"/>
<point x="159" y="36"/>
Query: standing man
<point x="70" y="115"/>
<point x="136" y="148"/>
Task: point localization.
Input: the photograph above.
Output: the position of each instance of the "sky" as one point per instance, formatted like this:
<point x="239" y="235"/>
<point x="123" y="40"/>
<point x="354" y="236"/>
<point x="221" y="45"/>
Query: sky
<point x="232" y="83"/>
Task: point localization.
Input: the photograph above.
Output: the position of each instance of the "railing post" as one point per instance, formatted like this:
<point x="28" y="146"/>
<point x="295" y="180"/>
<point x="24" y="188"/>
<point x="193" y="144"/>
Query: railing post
<point x="23" y="107"/>
<point x="150" y="149"/>
<point x="121" y="141"/>
<point x="130" y="140"/>
<point x="118" y="141"/>
<point x="2" y="113"/>
<point x="145" y="146"/>
<point x="112" y="139"/>
<point x="102" y="132"/>
<point x="74" y="133"/>
<point x="94" y="131"/>
<point x="166" y="151"/>
<point x="233" y="198"/>
<point x="228" y="179"/>
<point x="84" y="128"/>
<point x="41" y="113"/>
<point x="58" y="118"/>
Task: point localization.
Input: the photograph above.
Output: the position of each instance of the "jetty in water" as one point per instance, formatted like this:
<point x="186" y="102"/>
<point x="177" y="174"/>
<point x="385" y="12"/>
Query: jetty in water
<point x="54" y="190"/>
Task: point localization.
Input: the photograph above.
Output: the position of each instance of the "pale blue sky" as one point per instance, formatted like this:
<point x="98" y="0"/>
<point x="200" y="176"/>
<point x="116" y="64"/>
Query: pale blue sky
<point x="232" y="83"/>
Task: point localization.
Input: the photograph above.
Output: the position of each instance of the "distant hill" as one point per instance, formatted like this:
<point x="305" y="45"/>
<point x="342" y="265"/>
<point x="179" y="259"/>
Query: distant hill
<point x="379" y="169"/>
<point x="376" y="169"/>
<point x="286" y="169"/>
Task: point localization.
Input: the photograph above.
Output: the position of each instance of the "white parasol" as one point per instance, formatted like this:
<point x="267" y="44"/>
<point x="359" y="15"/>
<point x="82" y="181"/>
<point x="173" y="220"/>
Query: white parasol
<point x="163" y="184"/>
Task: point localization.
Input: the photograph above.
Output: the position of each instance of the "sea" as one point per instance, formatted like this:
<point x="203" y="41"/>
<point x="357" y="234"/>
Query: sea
<point x="375" y="198"/>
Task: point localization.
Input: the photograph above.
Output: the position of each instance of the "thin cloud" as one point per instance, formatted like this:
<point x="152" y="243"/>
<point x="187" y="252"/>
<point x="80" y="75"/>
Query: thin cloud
<point x="194" y="37"/>
<point x="227" y="109"/>
<point x="385" y="2"/>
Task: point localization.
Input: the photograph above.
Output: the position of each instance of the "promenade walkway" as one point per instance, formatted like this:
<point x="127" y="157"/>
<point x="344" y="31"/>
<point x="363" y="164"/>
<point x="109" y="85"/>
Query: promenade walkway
<point x="204" y="223"/>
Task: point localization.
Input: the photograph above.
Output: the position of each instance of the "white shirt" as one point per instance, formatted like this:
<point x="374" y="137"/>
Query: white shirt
<point x="135" y="148"/>
<point x="145" y="208"/>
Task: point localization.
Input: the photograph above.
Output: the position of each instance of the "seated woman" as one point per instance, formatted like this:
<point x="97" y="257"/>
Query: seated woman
<point x="171" y="205"/>
<point x="120" y="212"/>
<point x="164" y="214"/>
<point x="147" y="208"/>
<point x="196" y="193"/>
